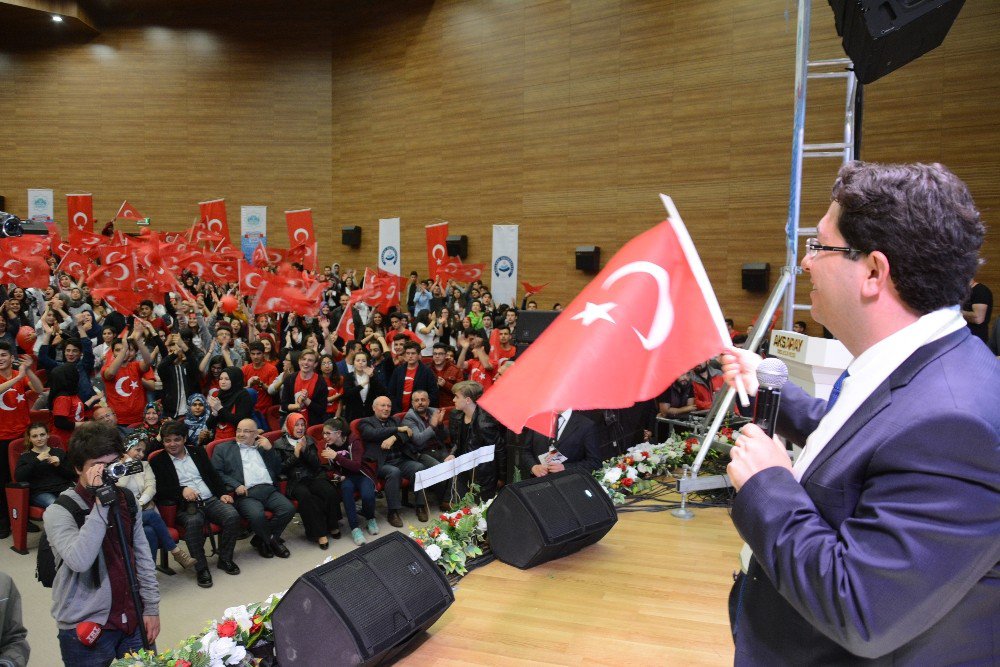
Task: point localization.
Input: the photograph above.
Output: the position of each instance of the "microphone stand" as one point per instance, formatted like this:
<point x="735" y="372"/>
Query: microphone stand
<point x="110" y="500"/>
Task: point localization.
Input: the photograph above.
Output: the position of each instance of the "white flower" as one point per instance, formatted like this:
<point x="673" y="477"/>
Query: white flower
<point x="221" y="648"/>
<point x="433" y="551"/>
<point x="481" y="526"/>
<point x="643" y="468"/>
<point x="443" y="539"/>
<point x="236" y="656"/>
<point x="209" y="638"/>
<point x="654" y="459"/>
<point x="631" y="472"/>
<point x="241" y="615"/>
<point x="612" y="475"/>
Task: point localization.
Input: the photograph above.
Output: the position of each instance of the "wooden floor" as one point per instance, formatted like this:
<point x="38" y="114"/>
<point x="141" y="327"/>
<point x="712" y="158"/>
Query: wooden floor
<point x="652" y="592"/>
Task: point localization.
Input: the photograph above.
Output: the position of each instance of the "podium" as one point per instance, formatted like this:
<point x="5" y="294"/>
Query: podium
<point x="813" y="363"/>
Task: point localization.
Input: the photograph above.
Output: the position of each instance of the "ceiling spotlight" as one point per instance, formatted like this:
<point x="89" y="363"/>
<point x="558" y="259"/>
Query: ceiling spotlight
<point x="56" y="18"/>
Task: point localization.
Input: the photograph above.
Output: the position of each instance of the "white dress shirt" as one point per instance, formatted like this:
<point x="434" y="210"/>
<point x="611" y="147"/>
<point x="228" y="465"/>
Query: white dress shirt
<point x="254" y="470"/>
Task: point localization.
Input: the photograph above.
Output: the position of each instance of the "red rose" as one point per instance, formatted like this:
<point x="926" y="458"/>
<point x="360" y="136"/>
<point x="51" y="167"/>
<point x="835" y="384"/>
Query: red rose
<point x="180" y="662"/>
<point x="466" y="511"/>
<point x="627" y="482"/>
<point x="443" y="517"/>
<point x="622" y="466"/>
<point x="419" y="541"/>
<point x="436" y="531"/>
<point x="687" y="447"/>
<point x="645" y="455"/>
<point x="227" y="629"/>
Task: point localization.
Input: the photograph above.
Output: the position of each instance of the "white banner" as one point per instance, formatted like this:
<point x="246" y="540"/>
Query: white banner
<point x="503" y="278"/>
<point x="40" y="205"/>
<point x="388" y="245"/>
<point x="445" y="471"/>
<point x="253" y="229"/>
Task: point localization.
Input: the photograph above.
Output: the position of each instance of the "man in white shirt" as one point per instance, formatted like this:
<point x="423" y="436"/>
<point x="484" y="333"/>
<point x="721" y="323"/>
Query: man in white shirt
<point x="250" y="467"/>
<point x="880" y="546"/>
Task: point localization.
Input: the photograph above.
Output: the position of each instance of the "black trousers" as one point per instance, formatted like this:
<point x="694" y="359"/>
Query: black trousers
<point x="319" y="506"/>
<point x="218" y="513"/>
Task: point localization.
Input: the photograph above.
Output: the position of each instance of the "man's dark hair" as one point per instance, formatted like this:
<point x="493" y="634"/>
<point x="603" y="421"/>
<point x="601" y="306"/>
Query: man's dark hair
<point x="922" y="218"/>
<point x="146" y="302"/>
<point x="223" y="326"/>
<point x="801" y="323"/>
<point x="411" y="346"/>
<point x="92" y="440"/>
<point x="729" y="322"/>
<point x="400" y="336"/>
<point x="256" y="346"/>
<point x="75" y="342"/>
<point x="6" y="346"/>
<point x="502" y="327"/>
<point x="441" y="346"/>
<point x="173" y="427"/>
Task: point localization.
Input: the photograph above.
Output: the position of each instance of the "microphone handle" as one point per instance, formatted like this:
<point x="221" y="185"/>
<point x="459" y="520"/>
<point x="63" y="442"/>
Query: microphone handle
<point x="765" y="413"/>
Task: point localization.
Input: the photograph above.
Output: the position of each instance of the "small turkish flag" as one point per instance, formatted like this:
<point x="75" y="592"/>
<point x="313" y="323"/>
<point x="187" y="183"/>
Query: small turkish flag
<point x="649" y="316"/>
<point x="128" y="212"/>
<point x="437" y="247"/>
<point x="214" y="221"/>
<point x="453" y="269"/>
<point x="250" y="277"/>
<point x="532" y="289"/>
<point x="345" y="329"/>
<point x="276" y="298"/>
<point x="75" y="263"/>
<point x="221" y="270"/>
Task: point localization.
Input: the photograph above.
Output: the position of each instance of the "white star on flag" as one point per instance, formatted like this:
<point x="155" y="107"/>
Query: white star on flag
<point x="593" y="312"/>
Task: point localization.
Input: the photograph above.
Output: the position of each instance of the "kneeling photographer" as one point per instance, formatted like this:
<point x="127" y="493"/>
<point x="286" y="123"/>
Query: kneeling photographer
<point x="105" y="595"/>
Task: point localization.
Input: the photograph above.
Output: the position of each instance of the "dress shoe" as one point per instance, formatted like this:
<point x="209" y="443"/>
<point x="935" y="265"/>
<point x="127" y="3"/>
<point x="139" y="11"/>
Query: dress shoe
<point x="324" y="545"/>
<point x="229" y="567"/>
<point x="422" y="513"/>
<point x="395" y="519"/>
<point x="335" y="533"/>
<point x="279" y="549"/>
<point x="262" y="547"/>
<point x="205" y="578"/>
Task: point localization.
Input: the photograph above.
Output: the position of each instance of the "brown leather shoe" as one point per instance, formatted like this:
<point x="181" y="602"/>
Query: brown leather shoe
<point x="422" y="513"/>
<point x="395" y="519"/>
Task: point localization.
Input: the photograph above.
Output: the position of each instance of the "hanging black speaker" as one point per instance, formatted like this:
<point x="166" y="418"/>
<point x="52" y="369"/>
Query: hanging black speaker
<point x="545" y="518"/>
<point x="880" y="36"/>
<point x="458" y="246"/>
<point x="756" y="277"/>
<point x="363" y="608"/>
<point x="351" y="236"/>
<point x="588" y="258"/>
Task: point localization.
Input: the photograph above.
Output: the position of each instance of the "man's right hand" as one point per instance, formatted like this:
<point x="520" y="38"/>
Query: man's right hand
<point x="539" y="470"/>
<point x="737" y="362"/>
<point x="388" y="442"/>
<point x="189" y="494"/>
<point x="241" y="490"/>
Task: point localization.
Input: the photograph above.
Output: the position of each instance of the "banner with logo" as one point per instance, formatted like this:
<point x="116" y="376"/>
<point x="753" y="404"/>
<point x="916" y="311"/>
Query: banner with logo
<point x="503" y="278"/>
<point x="40" y="205"/>
<point x="437" y="247"/>
<point x="253" y="229"/>
<point x="388" y="245"/>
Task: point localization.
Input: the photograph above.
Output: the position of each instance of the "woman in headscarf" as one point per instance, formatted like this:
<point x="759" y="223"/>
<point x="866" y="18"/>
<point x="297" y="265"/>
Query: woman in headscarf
<point x="149" y="430"/>
<point x="231" y="406"/>
<point x="306" y="469"/>
<point x="196" y="420"/>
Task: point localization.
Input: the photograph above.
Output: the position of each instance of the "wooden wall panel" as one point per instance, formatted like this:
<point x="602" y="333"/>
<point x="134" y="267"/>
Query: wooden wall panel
<point x="565" y="117"/>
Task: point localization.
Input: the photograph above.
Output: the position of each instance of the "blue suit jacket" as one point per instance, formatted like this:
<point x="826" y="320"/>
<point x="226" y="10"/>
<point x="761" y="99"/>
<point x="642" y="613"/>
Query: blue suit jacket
<point x="887" y="550"/>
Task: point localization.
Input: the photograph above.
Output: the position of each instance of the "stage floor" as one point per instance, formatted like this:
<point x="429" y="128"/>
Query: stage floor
<point x="653" y="592"/>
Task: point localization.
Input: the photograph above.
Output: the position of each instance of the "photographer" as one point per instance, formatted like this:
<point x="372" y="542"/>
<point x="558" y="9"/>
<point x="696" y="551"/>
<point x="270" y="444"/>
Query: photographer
<point x="93" y="607"/>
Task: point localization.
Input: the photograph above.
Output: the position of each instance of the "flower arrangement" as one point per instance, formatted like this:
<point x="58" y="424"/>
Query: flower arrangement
<point x="225" y="642"/>
<point x="452" y="538"/>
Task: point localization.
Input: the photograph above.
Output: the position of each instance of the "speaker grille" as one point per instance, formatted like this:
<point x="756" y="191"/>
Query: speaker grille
<point x="582" y="499"/>
<point x="547" y="504"/>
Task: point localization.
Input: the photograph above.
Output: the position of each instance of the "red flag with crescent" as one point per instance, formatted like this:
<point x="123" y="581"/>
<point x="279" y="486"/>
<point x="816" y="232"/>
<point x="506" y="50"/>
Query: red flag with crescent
<point x="75" y="263"/>
<point x="128" y="212"/>
<point x="453" y="269"/>
<point x="437" y="247"/>
<point x="115" y="283"/>
<point x="532" y="289"/>
<point x="301" y="238"/>
<point x="651" y="309"/>
<point x="213" y="225"/>
<point x="250" y="278"/>
<point x="24" y="270"/>
<point x="345" y="329"/>
<point x="220" y="270"/>
<point x="276" y="298"/>
<point x="80" y="211"/>
<point x="56" y="245"/>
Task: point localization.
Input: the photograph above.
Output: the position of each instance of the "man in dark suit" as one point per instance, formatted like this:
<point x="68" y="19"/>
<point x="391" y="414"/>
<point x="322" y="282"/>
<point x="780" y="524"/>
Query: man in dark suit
<point x="250" y="466"/>
<point x="185" y="476"/>
<point x="880" y="545"/>
<point x="576" y="446"/>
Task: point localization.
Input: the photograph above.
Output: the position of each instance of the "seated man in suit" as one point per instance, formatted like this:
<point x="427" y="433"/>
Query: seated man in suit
<point x="388" y="447"/>
<point x="429" y="438"/>
<point x="576" y="446"/>
<point x="185" y="476"/>
<point x="250" y="466"/>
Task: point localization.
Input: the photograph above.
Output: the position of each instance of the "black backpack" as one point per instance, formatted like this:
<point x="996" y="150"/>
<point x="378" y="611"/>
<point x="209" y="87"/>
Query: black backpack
<point x="45" y="561"/>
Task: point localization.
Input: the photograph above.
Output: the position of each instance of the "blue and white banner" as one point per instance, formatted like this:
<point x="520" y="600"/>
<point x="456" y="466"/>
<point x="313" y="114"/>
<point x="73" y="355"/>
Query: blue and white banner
<point x="253" y="229"/>
<point x="388" y="245"/>
<point x="503" y="270"/>
<point x="40" y="205"/>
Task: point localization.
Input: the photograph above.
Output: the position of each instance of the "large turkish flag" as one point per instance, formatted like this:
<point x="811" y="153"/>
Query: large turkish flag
<point x="437" y="247"/>
<point x="80" y="211"/>
<point x="649" y="316"/>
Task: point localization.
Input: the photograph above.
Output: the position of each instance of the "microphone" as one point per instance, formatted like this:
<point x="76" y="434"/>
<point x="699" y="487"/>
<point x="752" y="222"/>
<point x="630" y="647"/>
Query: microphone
<point x="89" y="632"/>
<point x="772" y="374"/>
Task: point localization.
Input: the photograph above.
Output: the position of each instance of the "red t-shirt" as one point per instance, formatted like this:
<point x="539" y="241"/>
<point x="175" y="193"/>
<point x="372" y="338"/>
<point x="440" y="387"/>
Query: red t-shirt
<point x="126" y="395"/>
<point x="500" y="356"/>
<point x="267" y="374"/>
<point x="16" y="411"/>
<point x="477" y="373"/>
<point x="408" y="378"/>
<point x="73" y="409"/>
<point x="333" y="397"/>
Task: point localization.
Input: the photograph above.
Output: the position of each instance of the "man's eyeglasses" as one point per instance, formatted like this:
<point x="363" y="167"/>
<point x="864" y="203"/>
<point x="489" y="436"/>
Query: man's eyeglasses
<point x="813" y="246"/>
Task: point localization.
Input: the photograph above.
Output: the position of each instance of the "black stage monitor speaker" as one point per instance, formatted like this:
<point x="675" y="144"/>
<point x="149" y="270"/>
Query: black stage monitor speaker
<point x="757" y="277"/>
<point x="531" y="324"/>
<point x="549" y="517"/>
<point x="362" y="608"/>
<point x="3" y="203"/>
<point x="881" y="36"/>
<point x="351" y="236"/>
<point x="458" y="246"/>
<point x="588" y="258"/>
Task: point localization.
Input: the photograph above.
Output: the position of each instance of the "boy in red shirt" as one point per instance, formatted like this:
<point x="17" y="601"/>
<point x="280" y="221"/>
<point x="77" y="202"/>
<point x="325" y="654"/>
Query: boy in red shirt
<point x="123" y="378"/>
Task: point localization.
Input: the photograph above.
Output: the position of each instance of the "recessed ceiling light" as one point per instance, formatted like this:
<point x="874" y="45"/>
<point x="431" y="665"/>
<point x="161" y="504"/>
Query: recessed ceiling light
<point x="57" y="19"/>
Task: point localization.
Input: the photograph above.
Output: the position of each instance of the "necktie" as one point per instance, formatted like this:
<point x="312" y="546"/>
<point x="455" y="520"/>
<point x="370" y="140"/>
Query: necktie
<point x="835" y="392"/>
